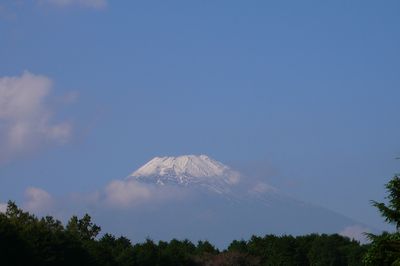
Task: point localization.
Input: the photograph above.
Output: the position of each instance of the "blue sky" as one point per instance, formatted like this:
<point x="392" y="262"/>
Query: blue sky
<point x="301" y="94"/>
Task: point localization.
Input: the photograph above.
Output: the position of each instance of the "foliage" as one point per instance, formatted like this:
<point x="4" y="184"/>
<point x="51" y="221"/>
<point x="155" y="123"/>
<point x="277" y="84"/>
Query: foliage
<point x="391" y="211"/>
<point x="28" y="240"/>
<point x="385" y="248"/>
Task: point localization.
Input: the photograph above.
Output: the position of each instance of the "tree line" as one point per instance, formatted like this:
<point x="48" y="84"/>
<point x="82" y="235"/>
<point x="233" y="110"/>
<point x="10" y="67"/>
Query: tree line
<point x="29" y="240"/>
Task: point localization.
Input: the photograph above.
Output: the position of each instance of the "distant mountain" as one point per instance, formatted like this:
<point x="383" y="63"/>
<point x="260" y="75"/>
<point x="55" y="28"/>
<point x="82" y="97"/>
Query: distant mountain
<point x="188" y="170"/>
<point x="218" y="205"/>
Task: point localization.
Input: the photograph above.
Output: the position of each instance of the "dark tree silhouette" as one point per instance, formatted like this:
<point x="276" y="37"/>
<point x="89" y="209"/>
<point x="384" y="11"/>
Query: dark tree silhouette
<point x="28" y="240"/>
<point x="385" y="248"/>
<point x="391" y="211"/>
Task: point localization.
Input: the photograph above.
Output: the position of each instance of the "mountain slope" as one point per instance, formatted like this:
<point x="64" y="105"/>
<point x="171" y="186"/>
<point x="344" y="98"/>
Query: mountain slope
<point x="210" y="201"/>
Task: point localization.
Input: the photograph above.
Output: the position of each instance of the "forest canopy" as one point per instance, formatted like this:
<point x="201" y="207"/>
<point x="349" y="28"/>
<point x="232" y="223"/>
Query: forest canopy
<point x="28" y="240"/>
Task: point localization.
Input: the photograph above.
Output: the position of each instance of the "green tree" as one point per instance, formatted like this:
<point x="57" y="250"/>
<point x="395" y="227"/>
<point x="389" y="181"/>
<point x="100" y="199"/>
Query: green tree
<point x="391" y="211"/>
<point x="205" y="247"/>
<point x="176" y="252"/>
<point x="26" y="240"/>
<point x="14" y="250"/>
<point x="146" y="254"/>
<point x="385" y="248"/>
<point x="239" y="246"/>
<point x="327" y="251"/>
<point x="83" y="228"/>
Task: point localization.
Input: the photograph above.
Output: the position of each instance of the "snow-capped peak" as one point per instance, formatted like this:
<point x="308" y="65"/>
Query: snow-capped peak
<point x="186" y="170"/>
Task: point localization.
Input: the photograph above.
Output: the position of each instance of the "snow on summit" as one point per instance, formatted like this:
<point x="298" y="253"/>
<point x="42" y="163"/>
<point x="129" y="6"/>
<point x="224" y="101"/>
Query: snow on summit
<point x="191" y="165"/>
<point x="186" y="170"/>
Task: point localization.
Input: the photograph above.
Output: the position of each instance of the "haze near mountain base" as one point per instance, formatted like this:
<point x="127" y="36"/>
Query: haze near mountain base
<point x="208" y="201"/>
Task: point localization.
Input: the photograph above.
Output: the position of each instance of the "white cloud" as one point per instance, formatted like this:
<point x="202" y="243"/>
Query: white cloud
<point x="129" y="193"/>
<point x="25" y="119"/>
<point x="70" y="97"/>
<point x="234" y="178"/>
<point x="37" y="200"/>
<point x="3" y="207"/>
<point x="118" y="194"/>
<point x="95" y="4"/>
<point x="261" y="188"/>
<point x="356" y="232"/>
<point x="125" y="193"/>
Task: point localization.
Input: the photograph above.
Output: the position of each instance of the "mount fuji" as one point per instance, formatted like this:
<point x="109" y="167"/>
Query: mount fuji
<point x="188" y="170"/>
<point x="200" y="198"/>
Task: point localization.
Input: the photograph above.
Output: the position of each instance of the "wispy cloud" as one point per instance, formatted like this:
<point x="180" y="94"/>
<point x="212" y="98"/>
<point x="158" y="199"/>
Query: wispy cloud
<point x="3" y="207"/>
<point x="38" y="200"/>
<point x="129" y="193"/>
<point x="122" y="193"/>
<point x="356" y="232"/>
<point x="25" y="118"/>
<point x="95" y="4"/>
<point x="6" y="13"/>
<point x="262" y="188"/>
<point x="9" y="11"/>
<point x="116" y="195"/>
<point x="70" y="97"/>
